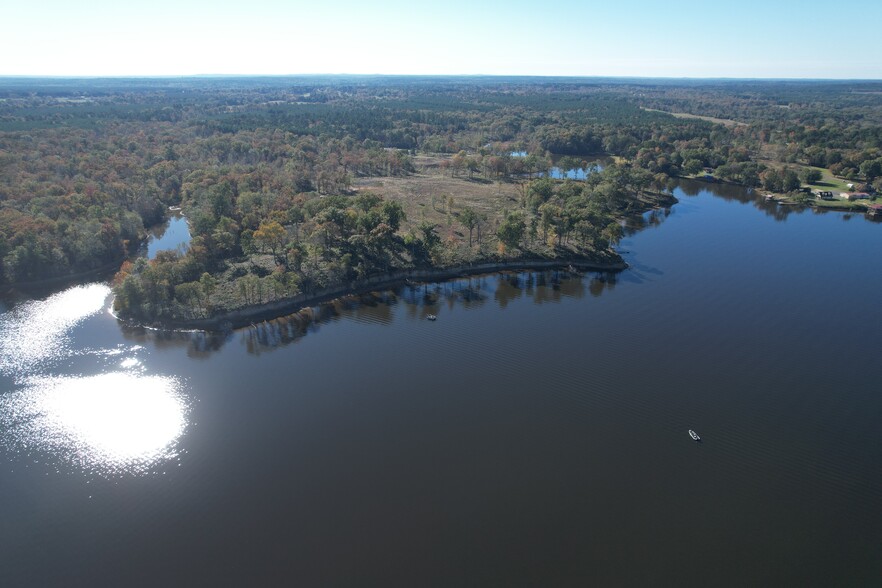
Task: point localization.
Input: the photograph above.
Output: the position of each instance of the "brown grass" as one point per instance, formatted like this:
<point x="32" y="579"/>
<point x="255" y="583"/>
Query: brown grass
<point x="430" y="195"/>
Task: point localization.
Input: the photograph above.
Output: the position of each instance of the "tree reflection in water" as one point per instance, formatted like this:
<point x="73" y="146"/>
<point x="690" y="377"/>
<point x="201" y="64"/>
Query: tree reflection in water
<point x="421" y="300"/>
<point x="418" y="301"/>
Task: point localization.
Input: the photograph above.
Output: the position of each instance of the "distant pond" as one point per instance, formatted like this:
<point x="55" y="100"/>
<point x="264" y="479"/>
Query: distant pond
<point x="591" y="163"/>
<point x="173" y="235"/>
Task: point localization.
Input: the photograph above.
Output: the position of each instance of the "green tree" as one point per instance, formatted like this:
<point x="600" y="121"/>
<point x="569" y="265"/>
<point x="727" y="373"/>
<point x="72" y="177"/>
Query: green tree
<point x="474" y="165"/>
<point x="422" y="244"/>
<point x="549" y="216"/>
<point x="429" y="236"/>
<point x="811" y="175"/>
<point x="469" y="218"/>
<point x="192" y="296"/>
<point x="539" y="192"/>
<point x="511" y="231"/>
<point x="393" y="214"/>
<point x="789" y="181"/>
<point x="871" y="169"/>
<point x="613" y="233"/>
<point x="692" y="167"/>
<point x="208" y="284"/>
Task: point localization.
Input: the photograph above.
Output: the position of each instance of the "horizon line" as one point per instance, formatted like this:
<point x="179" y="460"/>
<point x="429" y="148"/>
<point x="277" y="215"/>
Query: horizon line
<point x="428" y="75"/>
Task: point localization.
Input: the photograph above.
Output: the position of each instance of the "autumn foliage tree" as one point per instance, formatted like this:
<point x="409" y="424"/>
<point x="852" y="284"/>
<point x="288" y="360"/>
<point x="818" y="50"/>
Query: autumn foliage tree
<point x="271" y="237"/>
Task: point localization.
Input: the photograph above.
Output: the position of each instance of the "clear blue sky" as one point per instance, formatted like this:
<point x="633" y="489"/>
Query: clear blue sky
<point x="748" y="38"/>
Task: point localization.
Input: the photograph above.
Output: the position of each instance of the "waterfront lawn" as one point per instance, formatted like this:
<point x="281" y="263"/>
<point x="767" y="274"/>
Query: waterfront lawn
<point x="840" y="204"/>
<point x="828" y="180"/>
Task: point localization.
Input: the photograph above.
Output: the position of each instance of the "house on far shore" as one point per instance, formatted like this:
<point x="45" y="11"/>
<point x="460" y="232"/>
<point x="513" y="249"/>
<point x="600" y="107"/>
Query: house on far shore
<point x="850" y="196"/>
<point x="825" y="195"/>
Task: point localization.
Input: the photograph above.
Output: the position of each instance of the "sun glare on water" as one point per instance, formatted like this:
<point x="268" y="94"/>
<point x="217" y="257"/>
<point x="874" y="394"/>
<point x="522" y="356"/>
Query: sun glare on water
<point x="119" y="420"/>
<point x="37" y="331"/>
<point x="111" y="423"/>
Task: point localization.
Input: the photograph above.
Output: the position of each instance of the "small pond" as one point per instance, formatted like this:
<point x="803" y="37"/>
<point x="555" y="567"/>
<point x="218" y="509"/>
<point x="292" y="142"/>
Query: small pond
<point x="173" y="235"/>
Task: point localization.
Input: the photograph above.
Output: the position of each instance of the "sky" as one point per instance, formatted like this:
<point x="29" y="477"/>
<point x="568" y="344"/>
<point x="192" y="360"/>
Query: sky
<point x="651" y="38"/>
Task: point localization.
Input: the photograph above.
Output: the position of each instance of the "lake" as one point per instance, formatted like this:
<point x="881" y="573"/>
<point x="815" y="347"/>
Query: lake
<point x="535" y="434"/>
<point x="574" y="173"/>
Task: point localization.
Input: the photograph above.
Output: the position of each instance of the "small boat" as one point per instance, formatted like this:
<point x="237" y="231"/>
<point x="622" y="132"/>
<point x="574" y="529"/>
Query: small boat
<point x="431" y="317"/>
<point x="694" y="435"/>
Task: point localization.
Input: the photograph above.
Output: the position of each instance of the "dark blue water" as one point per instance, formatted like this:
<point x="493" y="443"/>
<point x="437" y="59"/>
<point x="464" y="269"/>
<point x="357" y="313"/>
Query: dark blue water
<point x="535" y="434"/>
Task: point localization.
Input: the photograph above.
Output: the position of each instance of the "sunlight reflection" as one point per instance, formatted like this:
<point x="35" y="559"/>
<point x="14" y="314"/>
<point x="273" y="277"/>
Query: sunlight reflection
<point x="130" y="363"/>
<point x="38" y="331"/>
<point x="112" y="423"/>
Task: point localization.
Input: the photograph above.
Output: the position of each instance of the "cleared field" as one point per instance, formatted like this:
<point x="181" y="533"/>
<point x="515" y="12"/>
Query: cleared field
<point x="721" y="121"/>
<point x="438" y="198"/>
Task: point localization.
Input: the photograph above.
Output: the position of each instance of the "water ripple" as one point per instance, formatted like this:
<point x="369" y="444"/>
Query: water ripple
<point x="109" y="424"/>
<point x="37" y="332"/>
<point x="103" y="414"/>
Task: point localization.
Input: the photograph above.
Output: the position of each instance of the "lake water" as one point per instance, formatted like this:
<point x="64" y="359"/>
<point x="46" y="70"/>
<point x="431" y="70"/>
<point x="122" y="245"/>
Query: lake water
<point x="173" y="235"/>
<point x="575" y="173"/>
<point x="535" y="434"/>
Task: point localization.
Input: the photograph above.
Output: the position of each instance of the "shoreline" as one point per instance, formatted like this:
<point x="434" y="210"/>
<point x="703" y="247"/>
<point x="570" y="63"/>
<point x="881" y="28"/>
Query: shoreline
<point x="245" y="316"/>
<point x="279" y="308"/>
<point x="53" y="283"/>
<point x="109" y="269"/>
<point x="785" y="199"/>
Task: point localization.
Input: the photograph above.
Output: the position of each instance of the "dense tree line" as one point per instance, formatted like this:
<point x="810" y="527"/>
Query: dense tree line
<point x="86" y="166"/>
<point x="255" y="247"/>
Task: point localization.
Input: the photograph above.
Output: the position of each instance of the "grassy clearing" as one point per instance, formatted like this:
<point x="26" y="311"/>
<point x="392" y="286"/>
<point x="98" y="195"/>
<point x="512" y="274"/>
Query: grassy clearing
<point x="856" y="205"/>
<point x="720" y="121"/>
<point x="439" y="198"/>
<point x="839" y="204"/>
<point x="433" y="196"/>
<point x="828" y="181"/>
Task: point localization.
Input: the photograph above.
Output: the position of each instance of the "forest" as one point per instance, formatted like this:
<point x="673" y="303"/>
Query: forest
<point x="294" y="184"/>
